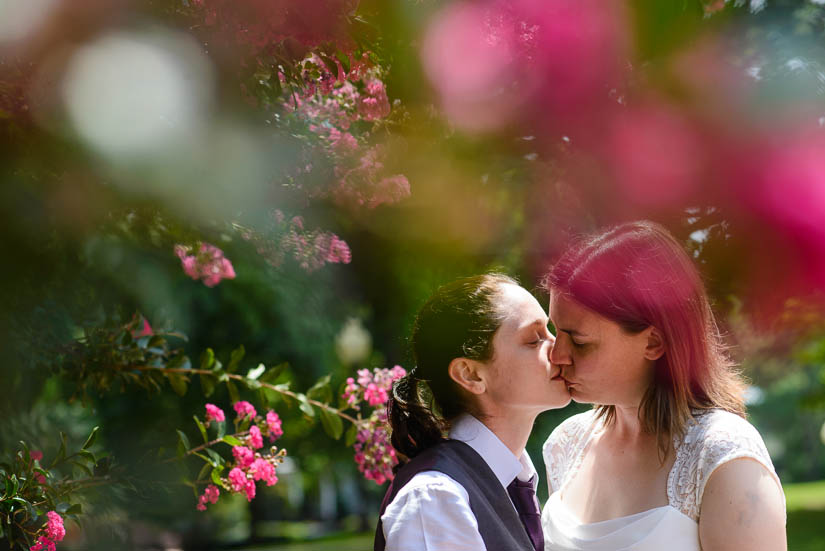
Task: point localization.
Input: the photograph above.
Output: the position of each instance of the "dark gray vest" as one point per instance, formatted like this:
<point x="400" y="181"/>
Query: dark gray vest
<point x="499" y="524"/>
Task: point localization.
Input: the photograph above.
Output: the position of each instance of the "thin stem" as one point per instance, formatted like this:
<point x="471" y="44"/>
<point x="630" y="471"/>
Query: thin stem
<point x="283" y="391"/>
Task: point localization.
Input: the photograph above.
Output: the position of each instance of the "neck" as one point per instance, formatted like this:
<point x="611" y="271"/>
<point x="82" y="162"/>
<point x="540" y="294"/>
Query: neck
<point x="627" y="423"/>
<point x="513" y="429"/>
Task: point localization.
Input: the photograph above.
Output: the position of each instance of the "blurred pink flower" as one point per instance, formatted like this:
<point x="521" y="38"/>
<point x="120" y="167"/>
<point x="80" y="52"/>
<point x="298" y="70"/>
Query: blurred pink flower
<point x="210" y="495"/>
<point x="245" y="409"/>
<point x="36" y="455"/>
<point x="550" y="62"/>
<point x="262" y="469"/>
<point x="208" y="264"/>
<point x="656" y="156"/>
<point x="273" y="423"/>
<point x="214" y="413"/>
<point x="255" y="439"/>
<point x="243" y="456"/>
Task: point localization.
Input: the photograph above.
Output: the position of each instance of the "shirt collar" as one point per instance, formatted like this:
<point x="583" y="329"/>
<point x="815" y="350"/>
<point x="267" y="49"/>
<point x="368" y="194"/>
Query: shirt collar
<point x="500" y="459"/>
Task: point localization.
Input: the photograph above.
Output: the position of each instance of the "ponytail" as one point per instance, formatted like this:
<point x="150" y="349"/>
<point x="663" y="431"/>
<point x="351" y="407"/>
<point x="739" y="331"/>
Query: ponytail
<point x="414" y="426"/>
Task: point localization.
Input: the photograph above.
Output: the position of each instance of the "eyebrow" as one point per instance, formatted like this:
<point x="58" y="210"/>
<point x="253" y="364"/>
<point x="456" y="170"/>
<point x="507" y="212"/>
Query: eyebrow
<point x="541" y="322"/>
<point x="571" y="332"/>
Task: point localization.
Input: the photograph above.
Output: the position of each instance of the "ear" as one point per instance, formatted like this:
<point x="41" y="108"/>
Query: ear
<point x="655" y="347"/>
<point x="466" y="374"/>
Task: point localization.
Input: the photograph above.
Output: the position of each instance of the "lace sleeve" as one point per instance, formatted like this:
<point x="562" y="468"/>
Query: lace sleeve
<point x="714" y="439"/>
<point x="562" y="447"/>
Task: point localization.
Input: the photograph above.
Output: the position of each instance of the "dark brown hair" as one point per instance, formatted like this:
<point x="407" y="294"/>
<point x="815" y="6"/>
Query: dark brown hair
<point x="638" y="275"/>
<point x="457" y="321"/>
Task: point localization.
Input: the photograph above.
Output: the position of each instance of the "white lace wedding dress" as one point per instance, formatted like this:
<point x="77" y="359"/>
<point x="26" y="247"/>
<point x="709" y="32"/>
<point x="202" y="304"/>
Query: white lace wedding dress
<point x="711" y="439"/>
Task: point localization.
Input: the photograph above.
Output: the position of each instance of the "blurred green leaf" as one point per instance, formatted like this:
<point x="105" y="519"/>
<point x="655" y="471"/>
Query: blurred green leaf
<point x="91" y="439"/>
<point x="333" y="425"/>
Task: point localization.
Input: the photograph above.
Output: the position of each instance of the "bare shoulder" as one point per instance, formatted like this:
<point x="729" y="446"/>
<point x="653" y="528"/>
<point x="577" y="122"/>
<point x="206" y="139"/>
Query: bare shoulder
<point x="742" y="508"/>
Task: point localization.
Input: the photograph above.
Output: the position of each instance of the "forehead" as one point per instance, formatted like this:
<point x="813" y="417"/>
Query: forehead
<point x="519" y="307"/>
<point x="565" y="311"/>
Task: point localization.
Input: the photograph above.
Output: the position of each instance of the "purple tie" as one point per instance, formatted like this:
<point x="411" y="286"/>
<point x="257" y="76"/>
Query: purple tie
<point x="524" y="498"/>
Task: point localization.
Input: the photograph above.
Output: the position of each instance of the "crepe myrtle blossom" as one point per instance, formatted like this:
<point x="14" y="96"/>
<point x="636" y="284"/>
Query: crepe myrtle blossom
<point x="373" y="387"/>
<point x="206" y="263"/>
<point x="245" y="409"/>
<point x="214" y="413"/>
<point x="374" y="453"/>
<point x="54" y="531"/>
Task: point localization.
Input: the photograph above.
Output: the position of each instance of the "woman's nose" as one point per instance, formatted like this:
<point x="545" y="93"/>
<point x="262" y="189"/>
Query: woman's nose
<point x="559" y="353"/>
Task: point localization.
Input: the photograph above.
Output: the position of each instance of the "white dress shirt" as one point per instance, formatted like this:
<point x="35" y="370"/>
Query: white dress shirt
<point x="432" y="511"/>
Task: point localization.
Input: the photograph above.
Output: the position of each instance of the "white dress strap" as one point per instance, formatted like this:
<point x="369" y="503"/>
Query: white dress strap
<point x="712" y="439"/>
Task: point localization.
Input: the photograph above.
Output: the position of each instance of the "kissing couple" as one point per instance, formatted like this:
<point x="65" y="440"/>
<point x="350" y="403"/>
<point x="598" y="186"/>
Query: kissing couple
<point x="664" y="460"/>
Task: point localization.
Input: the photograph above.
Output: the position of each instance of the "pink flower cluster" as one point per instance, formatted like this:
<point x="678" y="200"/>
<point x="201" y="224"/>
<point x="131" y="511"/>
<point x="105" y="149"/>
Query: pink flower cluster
<point x="55" y="532"/>
<point x="248" y="465"/>
<point x="207" y="264"/>
<point x="312" y="249"/>
<point x="210" y="495"/>
<point x="372" y="387"/>
<point x="214" y="413"/>
<point x="244" y="409"/>
<point x="273" y="423"/>
<point x="329" y="110"/>
<point x="374" y="454"/>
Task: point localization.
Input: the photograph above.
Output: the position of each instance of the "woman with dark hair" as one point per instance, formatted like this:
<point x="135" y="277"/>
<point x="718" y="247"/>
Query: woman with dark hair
<point x="666" y="459"/>
<point x="482" y="374"/>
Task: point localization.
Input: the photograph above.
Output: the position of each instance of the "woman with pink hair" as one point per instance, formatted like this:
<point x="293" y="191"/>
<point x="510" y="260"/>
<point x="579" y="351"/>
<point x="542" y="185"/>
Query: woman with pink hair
<point x="666" y="458"/>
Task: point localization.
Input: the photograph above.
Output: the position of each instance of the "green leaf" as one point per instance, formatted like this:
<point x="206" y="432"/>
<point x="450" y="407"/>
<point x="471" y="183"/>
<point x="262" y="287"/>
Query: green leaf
<point x="352" y="434"/>
<point x="183" y="443"/>
<point x="207" y="359"/>
<point x="91" y="439"/>
<point x="272" y="374"/>
<point x="256" y="372"/>
<point x="201" y="428"/>
<point x="207" y="385"/>
<point x="305" y="406"/>
<point x="232" y="441"/>
<point x="178" y="383"/>
<point x="321" y="390"/>
<point x="333" y="425"/>
<point x="234" y="396"/>
<point x="235" y="359"/>
<point x="12" y="485"/>
<point x="215" y="457"/>
<point x="216" y="476"/>
<point x="75" y="509"/>
<point x="204" y="470"/>
<point x="221" y="429"/>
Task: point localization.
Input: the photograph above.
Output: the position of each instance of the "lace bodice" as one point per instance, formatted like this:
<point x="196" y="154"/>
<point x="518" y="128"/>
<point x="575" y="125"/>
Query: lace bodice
<point x="711" y="439"/>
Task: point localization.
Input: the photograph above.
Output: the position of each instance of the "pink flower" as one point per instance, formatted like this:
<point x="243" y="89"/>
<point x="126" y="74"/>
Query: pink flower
<point x="264" y="470"/>
<point x="243" y="455"/>
<point x="255" y="439"/>
<point x="375" y="395"/>
<point x="43" y="543"/>
<point x="273" y="423"/>
<point x="36" y="455"/>
<point x="240" y="483"/>
<point x="374" y="454"/>
<point x="208" y="264"/>
<point x="54" y="527"/>
<point x="245" y="409"/>
<point x="237" y="479"/>
<point x="397" y="372"/>
<point x="375" y="105"/>
<point x="210" y="495"/>
<point x="214" y="413"/>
